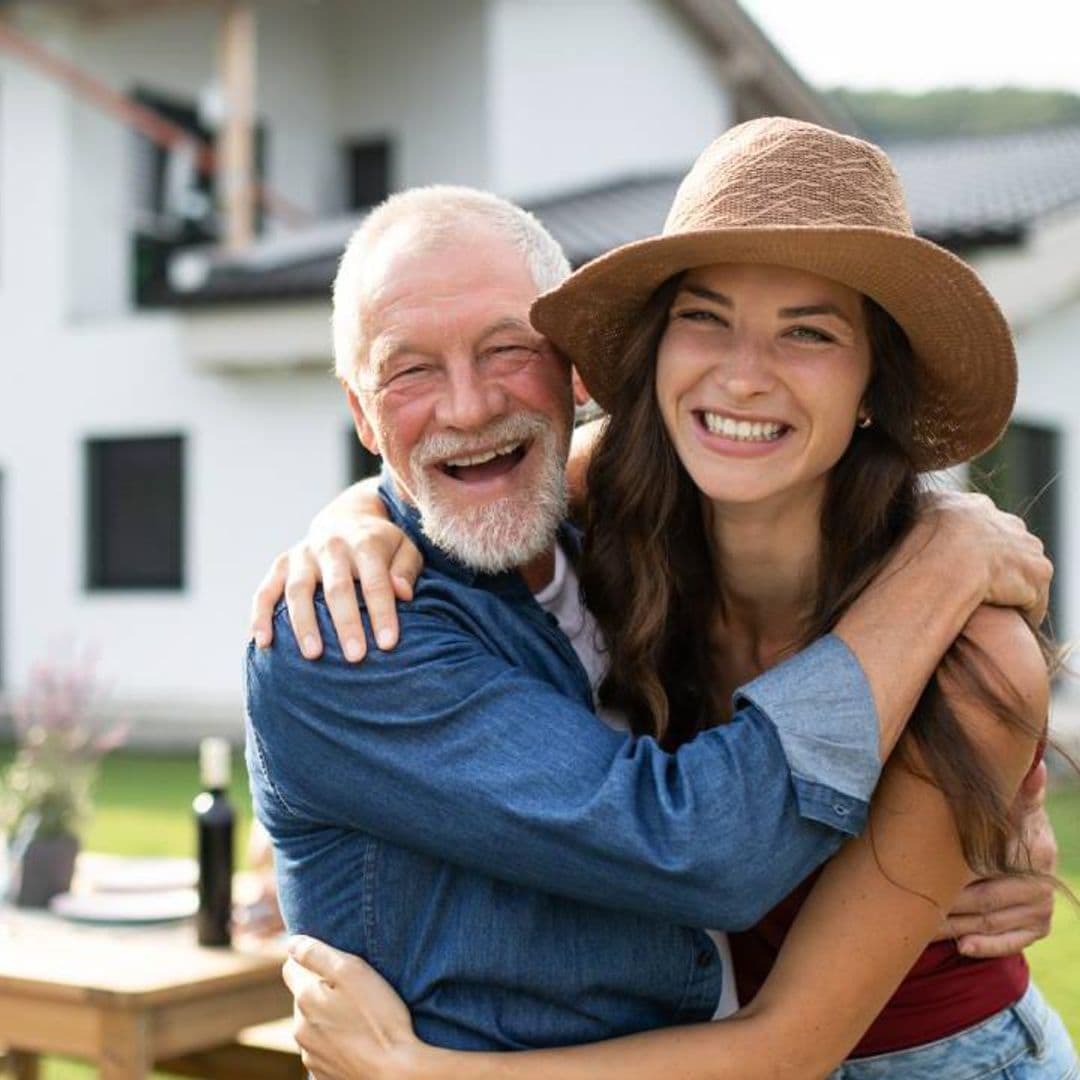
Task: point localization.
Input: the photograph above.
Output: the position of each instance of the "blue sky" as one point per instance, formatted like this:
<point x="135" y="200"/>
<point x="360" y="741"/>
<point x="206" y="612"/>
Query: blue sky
<point x="919" y="44"/>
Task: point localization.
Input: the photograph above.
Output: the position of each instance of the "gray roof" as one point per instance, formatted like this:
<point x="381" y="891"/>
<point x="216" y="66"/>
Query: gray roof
<point x="966" y="188"/>
<point x="963" y="192"/>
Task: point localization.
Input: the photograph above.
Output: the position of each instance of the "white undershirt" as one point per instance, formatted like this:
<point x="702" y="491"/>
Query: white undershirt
<point x="561" y="597"/>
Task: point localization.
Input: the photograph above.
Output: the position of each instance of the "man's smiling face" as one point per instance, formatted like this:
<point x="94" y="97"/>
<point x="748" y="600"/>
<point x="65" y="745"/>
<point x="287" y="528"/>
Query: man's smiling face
<point x="469" y="406"/>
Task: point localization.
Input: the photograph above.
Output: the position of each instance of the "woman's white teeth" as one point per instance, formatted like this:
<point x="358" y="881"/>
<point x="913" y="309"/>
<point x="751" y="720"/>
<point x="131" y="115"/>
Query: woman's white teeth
<point x="483" y="457"/>
<point x="743" y="430"/>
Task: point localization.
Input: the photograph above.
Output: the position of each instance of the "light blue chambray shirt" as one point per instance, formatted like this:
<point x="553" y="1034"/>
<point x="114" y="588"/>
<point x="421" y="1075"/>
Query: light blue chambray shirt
<point x="454" y="812"/>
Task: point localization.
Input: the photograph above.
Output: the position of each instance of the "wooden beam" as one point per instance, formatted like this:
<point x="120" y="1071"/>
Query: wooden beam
<point x="236" y="141"/>
<point x="99" y="94"/>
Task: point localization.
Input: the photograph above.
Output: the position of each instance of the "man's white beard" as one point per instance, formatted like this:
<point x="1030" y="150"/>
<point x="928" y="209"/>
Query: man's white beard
<point x="505" y="533"/>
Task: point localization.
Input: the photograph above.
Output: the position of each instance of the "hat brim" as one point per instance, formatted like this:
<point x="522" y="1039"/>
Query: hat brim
<point x="966" y="377"/>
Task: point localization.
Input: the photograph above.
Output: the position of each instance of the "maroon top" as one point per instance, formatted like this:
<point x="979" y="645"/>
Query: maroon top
<point x="942" y="994"/>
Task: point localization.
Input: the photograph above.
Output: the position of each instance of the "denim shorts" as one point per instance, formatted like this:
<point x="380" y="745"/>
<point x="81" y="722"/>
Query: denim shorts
<point x="1026" y="1041"/>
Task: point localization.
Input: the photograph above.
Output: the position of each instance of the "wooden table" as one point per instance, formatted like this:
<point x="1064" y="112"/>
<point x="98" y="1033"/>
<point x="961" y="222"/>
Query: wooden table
<point x="125" y="998"/>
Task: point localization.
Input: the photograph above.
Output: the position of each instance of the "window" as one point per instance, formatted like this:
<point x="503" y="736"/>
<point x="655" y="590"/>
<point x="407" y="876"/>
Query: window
<point x="174" y="202"/>
<point x="1022" y="474"/>
<point x="368" y="168"/>
<point x="135" y="513"/>
<point x="362" y="462"/>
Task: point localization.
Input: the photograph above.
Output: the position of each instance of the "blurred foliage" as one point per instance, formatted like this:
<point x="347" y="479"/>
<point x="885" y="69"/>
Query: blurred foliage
<point x="887" y="115"/>
<point x="47" y="789"/>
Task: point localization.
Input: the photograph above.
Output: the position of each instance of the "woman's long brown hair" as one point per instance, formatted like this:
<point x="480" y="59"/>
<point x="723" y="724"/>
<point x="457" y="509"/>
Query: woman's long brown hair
<point x="649" y="577"/>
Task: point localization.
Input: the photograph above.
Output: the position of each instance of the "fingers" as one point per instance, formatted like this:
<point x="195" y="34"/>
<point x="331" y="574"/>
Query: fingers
<point x="1002" y="893"/>
<point x="1019" y="571"/>
<point x="379" y="596"/>
<point x="387" y="564"/>
<point x="1032" y="918"/>
<point x="335" y="563"/>
<point x="983" y="947"/>
<point x="405" y="568"/>
<point x="295" y="975"/>
<point x="383" y="560"/>
<point x="1032" y="793"/>
<point x="1041" y="851"/>
<point x="316" y="957"/>
<point x="265" y="600"/>
<point x="303" y="577"/>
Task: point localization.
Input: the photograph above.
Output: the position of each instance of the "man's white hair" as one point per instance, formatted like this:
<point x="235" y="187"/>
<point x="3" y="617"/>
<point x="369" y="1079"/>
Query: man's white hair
<point x="440" y="210"/>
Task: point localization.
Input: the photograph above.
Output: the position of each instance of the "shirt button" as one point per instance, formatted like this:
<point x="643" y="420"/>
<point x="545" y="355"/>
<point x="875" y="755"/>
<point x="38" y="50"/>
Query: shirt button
<point x="705" y="958"/>
<point x="842" y="809"/>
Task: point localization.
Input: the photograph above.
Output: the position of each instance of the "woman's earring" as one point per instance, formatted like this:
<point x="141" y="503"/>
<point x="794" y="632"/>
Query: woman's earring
<point x="865" y="421"/>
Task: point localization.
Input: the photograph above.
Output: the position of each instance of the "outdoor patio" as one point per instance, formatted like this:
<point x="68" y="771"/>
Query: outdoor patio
<point x="143" y="807"/>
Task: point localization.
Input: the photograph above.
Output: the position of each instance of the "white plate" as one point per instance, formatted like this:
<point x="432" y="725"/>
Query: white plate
<point x="136" y="907"/>
<point x="122" y="873"/>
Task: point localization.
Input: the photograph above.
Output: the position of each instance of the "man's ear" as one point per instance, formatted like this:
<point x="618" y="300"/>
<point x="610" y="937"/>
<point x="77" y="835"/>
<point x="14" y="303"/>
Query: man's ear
<point x="360" y="420"/>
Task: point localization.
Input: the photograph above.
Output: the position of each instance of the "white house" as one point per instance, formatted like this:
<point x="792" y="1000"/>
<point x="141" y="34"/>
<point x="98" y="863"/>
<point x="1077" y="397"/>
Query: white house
<point x="162" y="437"/>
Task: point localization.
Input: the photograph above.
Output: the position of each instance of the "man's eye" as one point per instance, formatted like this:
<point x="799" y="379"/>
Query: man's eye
<point x="509" y="354"/>
<point x="416" y="371"/>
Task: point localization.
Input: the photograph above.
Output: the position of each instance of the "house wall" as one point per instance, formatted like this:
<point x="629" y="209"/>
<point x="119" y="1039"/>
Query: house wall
<point x="35" y="159"/>
<point x="295" y="90"/>
<point x="461" y="85"/>
<point x="325" y="74"/>
<point x="574" y="99"/>
<point x="1037" y="284"/>
<point x="414" y="70"/>
<point x="1049" y="394"/>
<point x="263" y="452"/>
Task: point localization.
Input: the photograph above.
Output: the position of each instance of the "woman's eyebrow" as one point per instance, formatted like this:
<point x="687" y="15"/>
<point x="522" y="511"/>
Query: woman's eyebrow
<point x="813" y="309"/>
<point x="708" y="294"/>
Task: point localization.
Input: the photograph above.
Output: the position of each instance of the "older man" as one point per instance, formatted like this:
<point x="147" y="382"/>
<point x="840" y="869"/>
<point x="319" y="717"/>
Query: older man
<point x="452" y="810"/>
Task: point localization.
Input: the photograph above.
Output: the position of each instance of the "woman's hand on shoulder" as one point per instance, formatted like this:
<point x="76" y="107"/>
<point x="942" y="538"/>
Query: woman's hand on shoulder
<point x="350" y="540"/>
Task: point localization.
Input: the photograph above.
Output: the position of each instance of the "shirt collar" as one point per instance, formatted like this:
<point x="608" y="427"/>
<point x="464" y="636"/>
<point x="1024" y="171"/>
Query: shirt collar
<point x="509" y="583"/>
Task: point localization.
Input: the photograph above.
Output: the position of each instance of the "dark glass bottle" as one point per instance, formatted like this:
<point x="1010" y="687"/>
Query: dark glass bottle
<point x="216" y="821"/>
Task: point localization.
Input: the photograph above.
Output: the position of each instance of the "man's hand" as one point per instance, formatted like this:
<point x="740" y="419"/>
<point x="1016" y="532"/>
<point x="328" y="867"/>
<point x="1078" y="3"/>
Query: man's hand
<point x="374" y="552"/>
<point x="1002" y="916"/>
<point x="347" y="1018"/>
<point x="1015" y="570"/>
<point x="961" y="553"/>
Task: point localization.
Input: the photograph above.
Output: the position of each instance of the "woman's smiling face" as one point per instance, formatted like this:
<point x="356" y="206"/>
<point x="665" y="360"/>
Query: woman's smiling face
<point x="760" y="374"/>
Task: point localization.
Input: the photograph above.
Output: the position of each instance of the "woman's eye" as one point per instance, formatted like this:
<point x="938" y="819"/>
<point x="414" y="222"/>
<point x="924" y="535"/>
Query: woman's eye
<point x="809" y="333"/>
<point x="699" y="315"/>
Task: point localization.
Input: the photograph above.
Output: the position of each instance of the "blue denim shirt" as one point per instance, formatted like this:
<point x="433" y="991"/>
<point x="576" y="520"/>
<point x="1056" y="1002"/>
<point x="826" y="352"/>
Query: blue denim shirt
<point x="454" y="812"/>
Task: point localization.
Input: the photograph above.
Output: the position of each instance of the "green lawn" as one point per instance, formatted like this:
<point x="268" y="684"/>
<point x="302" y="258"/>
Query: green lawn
<point x="1056" y="961"/>
<point x="144" y="809"/>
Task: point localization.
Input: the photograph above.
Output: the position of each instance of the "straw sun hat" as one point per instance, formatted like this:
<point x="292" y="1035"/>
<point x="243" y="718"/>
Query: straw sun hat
<point x="792" y="194"/>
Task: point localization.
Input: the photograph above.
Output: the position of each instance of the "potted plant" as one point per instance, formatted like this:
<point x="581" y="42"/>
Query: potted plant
<point x="46" y="794"/>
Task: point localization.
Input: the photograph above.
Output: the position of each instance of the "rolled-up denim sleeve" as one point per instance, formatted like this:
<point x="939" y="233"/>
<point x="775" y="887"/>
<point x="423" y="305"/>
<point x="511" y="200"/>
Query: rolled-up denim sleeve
<point x="442" y="747"/>
<point x="823" y="710"/>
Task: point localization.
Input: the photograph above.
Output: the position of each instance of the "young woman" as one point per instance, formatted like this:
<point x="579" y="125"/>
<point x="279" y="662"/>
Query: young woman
<point x="778" y="368"/>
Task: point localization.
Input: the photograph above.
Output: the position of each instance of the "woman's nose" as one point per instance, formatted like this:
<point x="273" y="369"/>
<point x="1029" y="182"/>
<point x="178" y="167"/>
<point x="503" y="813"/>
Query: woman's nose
<point x="746" y="369"/>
